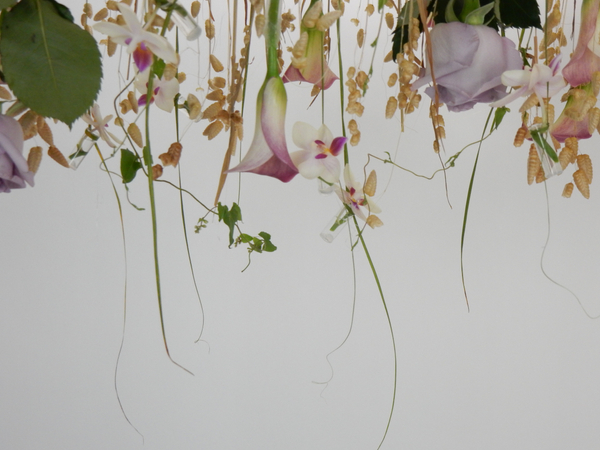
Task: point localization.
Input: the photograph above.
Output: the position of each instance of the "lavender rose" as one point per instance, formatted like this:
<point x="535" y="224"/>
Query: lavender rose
<point x="468" y="61"/>
<point x="14" y="171"/>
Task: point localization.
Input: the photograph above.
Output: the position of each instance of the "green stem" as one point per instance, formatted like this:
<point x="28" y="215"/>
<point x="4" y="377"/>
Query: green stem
<point x="272" y="32"/>
<point x="389" y="320"/>
<point x="341" y="67"/>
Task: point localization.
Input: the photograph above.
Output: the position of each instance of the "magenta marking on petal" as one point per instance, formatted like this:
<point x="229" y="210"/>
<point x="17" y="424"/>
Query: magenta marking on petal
<point x="156" y="89"/>
<point x="142" y="100"/>
<point x="319" y="142"/>
<point x="128" y="41"/>
<point x="321" y="156"/>
<point x="337" y="144"/>
<point x="142" y="58"/>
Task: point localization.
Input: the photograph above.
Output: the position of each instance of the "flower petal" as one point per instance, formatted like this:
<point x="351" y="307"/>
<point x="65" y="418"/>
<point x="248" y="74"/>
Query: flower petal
<point x="304" y="136"/>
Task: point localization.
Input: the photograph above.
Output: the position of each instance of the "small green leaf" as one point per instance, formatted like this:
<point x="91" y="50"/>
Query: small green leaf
<point x="159" y="67"/>
<point x="540" y="140"/>
<point x="245" y="238"/>
<point x="380" y="5"/>
<point x="130" y="164"/>
<point x="269" y="246"/>
<point x="498" y="116"/>
<point x="52" y="65"/>
<point x="229" y="218"/>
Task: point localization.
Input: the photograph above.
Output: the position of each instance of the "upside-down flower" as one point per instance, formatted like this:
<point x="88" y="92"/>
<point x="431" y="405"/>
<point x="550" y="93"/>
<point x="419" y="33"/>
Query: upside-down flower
<point x="99" y="124"/>
<point x="318" y="157"/>
<point x="354" y="197"/>
<point x="544" y="81"/>
<point x="139" y="41"/>
<point x="308" y="60"/>
<point x="14" y="170"/>
<point x="163" y="90"/>
<point x="574" y="119"/>
<point x="586" y="58"/>
<point x="268" y="153"/>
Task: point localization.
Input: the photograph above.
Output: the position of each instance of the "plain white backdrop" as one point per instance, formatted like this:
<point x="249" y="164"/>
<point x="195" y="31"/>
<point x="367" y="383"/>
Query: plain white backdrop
<point x="519" y="371"/>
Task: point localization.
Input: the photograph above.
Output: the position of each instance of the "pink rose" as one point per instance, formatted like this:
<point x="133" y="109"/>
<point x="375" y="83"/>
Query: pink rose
<point x="14" y="171"/>
<point x="468" y="61"/>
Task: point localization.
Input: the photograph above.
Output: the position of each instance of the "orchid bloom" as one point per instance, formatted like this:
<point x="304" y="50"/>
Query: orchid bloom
<point x="268" y="153"/>
<point x="586" y="58"/>
<point x="544" y="81"/>
<point x="14" y="170"/>
<point x="308" y="61"/>
<point x="164" y="91"/>
<point x="318" y="157"/>
<point x="99" y="124"/>
<point x="138" y="40"/>
<point x="354" y="197"/>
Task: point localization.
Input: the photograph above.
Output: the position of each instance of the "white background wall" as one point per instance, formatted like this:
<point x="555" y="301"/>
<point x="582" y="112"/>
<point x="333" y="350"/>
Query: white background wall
<point x="519" y="371"/>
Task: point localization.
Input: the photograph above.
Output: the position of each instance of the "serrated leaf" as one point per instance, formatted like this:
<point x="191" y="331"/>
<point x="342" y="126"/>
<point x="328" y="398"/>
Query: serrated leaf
<point x="50" y="64"/>
<point x="63" y="11"/>
<point x="130" y="164"/>
<point x="520" y="13"/>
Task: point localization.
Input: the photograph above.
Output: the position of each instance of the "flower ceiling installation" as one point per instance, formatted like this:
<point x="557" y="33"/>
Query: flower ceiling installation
<point x="461" y="54"/>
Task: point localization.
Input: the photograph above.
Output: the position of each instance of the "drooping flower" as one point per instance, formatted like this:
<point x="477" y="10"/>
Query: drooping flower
<point x="574" y="119"/>
<point x="268" y="153"/>
<point x="468" y="61"/>
<point x="14" y="171"/>
<point x="138" y="40"/>
<point x="318" y="157"/>
<point x="353" y="196"/>
<point x="163" y="90"/>
<point x="544" y="81"/>
<point x="308" y="60"/>
<point x="586" y="58"/>
<point x="99" y="124"/>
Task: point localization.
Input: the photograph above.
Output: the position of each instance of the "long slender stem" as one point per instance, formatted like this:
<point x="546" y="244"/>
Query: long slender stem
<point x="389" y="320"/>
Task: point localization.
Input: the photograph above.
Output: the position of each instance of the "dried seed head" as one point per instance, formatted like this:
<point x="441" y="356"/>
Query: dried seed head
<point x="370" y="9"/>
<point x="170" y="72"/>
<point x="371" y="184"/>
<point x="585" y="163"/>
<point x="195" y="8"/>
<point x="352" y="126"/>
<point x="87" y="10"/>
<point x="181" y="77"/>
<point x="566" y="157"/>
<point x="209" y="28"/>
<point x="436" y="146"/>
<point x="553" y="18"/>
<point x="568" y="190"/>
<point x="135" y="134"/>
<point x="215" y="63"/>
<point x="157" y="171"/>
<point x="388" y="57"/>
<point x="194" y="106"/>
<point x="389" y="20"/>
<point x="312" y="15"/>
<point x="111" y="46"/>
<point x="118" y="122"/>
<point x="520" y="136"/>
<point x="440" y="132"/>
<point x="171" y="158"/>
<point x="360" y="37"/>
<point x="300" y="46"/>
<point x="211" y="112"/>
<point x="213" y="129"/>
<point x="374" y="222"/>
<point x="57" y="156"/>
<point x="44" y="131"/>
<point x="216" y="95"/>
<point x="101" y="15"/>
<point x="361" y="79"/>
<point x="112" y="5"/>
<point x="28" y="122"/>
<point x="593" y="120"/>
<point x="34" y="159"/>
<point x="132" y="101"/>
<point x="5" y="94"/>
<point x="540" y="176"/>
<point x="350" y="73"/>
<point x="355" y="139"/>
<point x="531" y="101"/>
<point x="390" y="107"/>
<point x="355" y="108"/>
<point x="392" y="79"/>
<point x="533" y="164"/>
<point x="125" y="106"/>
<point x="582" y="183"/>
<point x="259" y="24"/>
<point x="326" y="20"/>
<point x="596" y="83"/>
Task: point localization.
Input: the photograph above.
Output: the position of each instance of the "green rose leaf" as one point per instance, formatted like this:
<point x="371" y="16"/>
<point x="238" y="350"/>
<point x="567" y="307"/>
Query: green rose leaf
<point x="130" y="164"/>
<point x="520" y="13"/>
<point x="7" y="3"/>
<point x="51" y="64"/>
